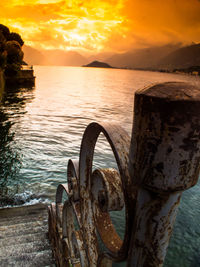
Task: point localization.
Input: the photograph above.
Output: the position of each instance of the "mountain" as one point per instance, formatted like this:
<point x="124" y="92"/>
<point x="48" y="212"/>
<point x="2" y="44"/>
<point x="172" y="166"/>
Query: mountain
<point x="183" y="57"/>
<point x="65" y="58"/>
<point x="98" y="64"/>
<point x="147" y="58"/>
<point x="166" y="57"/>
<point x="102" y="56"/>
<point x="33" y="56"/>
<point x="53" y="57"/>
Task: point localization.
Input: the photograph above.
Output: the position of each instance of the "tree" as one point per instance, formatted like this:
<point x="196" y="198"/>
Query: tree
<point x="14" y="52"/>
<point x="3" y="53"/>
<point x="4" y="30"/>
<point x="2" y="38"/>
<point x="11" y="54"/>
<point x="14" y="58"/>
<point x="3" y="59"/>
<point x="13" y="36"/>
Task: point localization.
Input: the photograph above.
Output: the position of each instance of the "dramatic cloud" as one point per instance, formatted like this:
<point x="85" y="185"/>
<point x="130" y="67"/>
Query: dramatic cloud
<point x="108" y="25"/>
<point x="164" y="21"/>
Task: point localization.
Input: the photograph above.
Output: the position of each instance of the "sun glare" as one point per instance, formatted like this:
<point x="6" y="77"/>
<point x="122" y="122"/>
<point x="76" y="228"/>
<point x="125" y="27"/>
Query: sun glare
<point x="101" y="24"/>
<point x="58" y="23"/>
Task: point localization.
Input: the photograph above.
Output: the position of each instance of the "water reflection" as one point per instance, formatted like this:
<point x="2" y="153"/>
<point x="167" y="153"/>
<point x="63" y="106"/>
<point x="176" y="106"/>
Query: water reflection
<point x="37" y="138"/>
<point x="12" y="107"/>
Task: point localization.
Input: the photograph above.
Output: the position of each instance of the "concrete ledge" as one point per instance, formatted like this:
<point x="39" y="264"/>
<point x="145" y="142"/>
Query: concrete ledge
<point x="24" y="78"/>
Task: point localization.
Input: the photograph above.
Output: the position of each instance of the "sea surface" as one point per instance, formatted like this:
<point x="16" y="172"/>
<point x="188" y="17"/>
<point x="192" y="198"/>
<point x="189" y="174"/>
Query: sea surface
<point x="41" y="129"/>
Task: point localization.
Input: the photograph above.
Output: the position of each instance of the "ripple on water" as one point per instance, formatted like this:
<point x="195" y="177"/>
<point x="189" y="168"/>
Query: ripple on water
<point x="41" y="129"/>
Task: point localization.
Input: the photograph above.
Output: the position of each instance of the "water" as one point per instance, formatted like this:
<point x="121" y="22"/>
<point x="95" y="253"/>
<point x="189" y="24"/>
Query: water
<point x="41" y="129"/>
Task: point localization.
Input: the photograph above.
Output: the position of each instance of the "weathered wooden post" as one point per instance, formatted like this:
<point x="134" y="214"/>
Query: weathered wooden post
<point x="164" y="161"/>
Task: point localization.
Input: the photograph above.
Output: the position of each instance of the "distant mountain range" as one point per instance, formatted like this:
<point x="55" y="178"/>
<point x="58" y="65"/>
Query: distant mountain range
<point x="166" y="57"/>
<point x="102" y="56"/>
<point x="53" y="57"/>
<point x="183" y="57"/>
<point x="33" y="56"/>
<point x="141" y="58"/>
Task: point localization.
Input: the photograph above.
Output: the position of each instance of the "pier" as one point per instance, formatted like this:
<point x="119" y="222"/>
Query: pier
<point x="25" y="77"/>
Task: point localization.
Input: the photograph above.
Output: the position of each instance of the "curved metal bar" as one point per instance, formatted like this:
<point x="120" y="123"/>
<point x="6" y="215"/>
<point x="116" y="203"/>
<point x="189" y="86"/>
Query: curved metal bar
<point x="73" y="210"/>
<point x="59" y="192"/>
<point x="78" y="246"/>
<point x="59" y="195"/>
<point x="119" y="141"/>
<point x="154" y="168"/>
<point x="103" y="261"/>
<point x="103" y="200"/>
<point x="69" y="209"/>
<point x="106" y="189"/>
<point x="69" y="233"/>
<point x="72" y="178"/>
<point x="73" y="168"/>
<point x="67" y="220"/>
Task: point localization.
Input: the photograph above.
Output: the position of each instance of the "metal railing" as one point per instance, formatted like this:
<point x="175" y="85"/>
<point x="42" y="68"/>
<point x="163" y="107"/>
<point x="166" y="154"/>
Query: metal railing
<point x="158" y="162"/>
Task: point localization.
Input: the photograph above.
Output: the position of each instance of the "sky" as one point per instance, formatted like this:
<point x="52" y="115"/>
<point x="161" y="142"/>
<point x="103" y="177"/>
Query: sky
<point x="102" y="25"/>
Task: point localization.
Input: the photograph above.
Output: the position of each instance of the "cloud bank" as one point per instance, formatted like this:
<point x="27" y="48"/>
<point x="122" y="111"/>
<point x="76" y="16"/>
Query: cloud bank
<point x="102" y="25"/>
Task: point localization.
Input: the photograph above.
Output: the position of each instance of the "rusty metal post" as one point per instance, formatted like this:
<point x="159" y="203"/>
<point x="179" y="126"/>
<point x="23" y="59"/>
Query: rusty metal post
<point x="164" y="161"/>
<point x="159" y="162"/>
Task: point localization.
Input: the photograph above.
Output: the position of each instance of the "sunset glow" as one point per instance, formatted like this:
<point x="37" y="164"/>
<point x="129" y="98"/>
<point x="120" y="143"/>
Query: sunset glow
<point x="98" y="25"/>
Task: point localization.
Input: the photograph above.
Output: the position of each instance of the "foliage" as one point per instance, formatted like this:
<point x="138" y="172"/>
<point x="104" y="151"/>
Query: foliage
<point x="14" y="52"/>
<point x="11" y="54"/>
<point x="3" y="59"/>
<point x="2" y="50"/>
<point x="15" y="37"/>
<point x="2" y="37"/>
<point x="12" y="69"/>
<point x="4" y="30"/>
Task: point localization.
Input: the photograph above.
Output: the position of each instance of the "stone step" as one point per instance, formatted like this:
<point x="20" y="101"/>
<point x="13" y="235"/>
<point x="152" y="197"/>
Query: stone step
<point x="25" y="221"/>
<point x="19" y="239"/>
<point x="23" y="210"/>
<point x="16" y="249"/>
<point x="22" y="229"/>
<point x="23" y="237"/>
<point x="37" y="259"/>
<point x="22" y="219"/>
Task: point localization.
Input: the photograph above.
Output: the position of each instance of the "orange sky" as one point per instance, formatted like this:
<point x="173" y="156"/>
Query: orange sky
<point x="102" y="25"/>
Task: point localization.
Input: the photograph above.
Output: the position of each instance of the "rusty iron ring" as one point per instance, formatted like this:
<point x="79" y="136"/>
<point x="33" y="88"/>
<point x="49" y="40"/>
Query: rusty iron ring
<point x="72" y="173"/>
<point x="73" y="237"/>
<point x="75" y="205"/>
<point x="119" y="141"/>
<point x="66" y="221"/>
<point x="70" y="208"/>
<point x="59" y="195"/>
<point x="72" y="178"/>
<point x="106" y="199"/>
